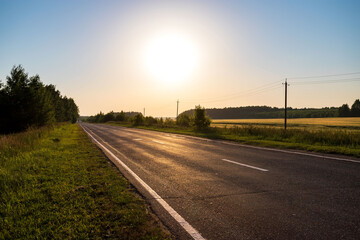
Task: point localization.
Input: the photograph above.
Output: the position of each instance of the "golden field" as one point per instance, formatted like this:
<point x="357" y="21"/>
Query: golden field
<point x="348" y="123"/>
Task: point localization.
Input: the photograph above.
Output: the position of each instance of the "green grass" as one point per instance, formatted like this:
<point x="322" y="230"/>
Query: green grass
<point x="56" y="184"/>
<point x="329" y="140"/>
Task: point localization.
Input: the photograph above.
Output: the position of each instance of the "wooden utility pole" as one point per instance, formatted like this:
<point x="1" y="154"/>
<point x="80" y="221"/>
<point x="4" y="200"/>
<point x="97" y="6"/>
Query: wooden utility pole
<point x="177" y="108"/>
<point x="144" y="112"/>
<point x="285" y="117"/>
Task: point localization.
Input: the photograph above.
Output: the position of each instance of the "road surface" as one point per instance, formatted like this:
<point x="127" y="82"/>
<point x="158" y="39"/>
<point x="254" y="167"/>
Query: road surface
<point x="223" y="190"/>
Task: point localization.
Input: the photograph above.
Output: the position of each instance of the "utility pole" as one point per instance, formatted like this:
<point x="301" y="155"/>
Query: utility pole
<point x="144" y="112"/>
<point x="177" y="108"/>
<point x="285" y="117"/>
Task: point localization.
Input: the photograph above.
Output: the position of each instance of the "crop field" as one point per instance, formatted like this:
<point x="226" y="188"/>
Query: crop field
<point x="351" y="123"/>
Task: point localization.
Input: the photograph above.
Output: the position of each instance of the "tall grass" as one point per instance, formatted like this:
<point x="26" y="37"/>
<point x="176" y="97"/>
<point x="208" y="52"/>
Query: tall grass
<point x="333" y="137"/>
<point x="11" y="144"/>
<point x="56" y="184"/>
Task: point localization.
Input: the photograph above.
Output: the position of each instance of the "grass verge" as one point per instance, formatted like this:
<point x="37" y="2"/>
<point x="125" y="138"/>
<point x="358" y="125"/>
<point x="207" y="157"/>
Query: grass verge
<point x="336" y="141"/>
<point x="56" y="184"/>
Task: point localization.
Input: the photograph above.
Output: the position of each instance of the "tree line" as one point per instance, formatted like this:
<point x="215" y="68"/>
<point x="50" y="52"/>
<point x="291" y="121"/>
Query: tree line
<point x="27" y="102"/>
<point x="345" y="111"/>
<point x="263" y="112"/>
<point x="198" y="119"/>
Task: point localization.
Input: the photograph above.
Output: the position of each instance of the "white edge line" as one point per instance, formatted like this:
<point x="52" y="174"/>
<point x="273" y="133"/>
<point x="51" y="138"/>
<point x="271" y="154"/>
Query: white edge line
<point x="245" y="165"/>
<point x="187" y="227"/>
<point x="158" y="142"/>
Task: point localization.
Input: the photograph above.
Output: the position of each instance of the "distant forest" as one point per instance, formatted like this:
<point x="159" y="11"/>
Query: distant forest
<point x="263" y="112"/>
<point x="26" y="102"/>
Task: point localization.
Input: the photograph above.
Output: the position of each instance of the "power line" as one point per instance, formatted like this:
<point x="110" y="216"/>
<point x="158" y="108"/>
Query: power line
<point x="327" y="81"/>
<point x="245" y="95"/>
<point x="324" y="76"/>
<point x="259" y="89"/>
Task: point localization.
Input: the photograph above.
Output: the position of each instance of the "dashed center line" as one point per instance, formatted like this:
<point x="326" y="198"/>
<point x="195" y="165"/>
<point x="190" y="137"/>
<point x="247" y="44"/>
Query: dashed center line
<point x="158" y="142"/>
<point x="245" y="165"/>
<point x="137" y="139"/>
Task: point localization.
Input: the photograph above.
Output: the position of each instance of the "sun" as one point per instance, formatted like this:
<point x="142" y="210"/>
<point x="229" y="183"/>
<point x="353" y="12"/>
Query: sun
<point x="170" y="57"/>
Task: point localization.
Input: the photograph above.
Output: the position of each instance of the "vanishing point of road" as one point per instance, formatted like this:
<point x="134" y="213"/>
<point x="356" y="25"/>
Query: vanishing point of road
<point x="202" y="188"/>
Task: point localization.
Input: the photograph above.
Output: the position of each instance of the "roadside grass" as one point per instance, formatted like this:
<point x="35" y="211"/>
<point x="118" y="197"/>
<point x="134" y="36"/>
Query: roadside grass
<point x="56" y="184"/>
<point x="332" y="140"/>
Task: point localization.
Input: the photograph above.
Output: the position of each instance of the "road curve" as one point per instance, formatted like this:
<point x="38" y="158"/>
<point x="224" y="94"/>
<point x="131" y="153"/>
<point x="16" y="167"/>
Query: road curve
<point x="232" y="191"/>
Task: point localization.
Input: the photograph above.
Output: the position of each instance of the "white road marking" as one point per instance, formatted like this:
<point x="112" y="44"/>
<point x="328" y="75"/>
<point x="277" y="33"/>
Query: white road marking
<point x="291" y="152"/>
<point x="187" y="227"/>
<point x="158" y="142"/>
<point x="245" y="165"/>
<point x="137" y="139"/>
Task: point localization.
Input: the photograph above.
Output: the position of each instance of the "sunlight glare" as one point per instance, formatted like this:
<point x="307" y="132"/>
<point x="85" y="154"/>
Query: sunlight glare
<point x="171" y="58"/>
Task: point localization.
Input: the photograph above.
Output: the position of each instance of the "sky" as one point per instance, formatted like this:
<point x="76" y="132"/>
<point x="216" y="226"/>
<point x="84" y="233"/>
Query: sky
<point x="131" y="55"/>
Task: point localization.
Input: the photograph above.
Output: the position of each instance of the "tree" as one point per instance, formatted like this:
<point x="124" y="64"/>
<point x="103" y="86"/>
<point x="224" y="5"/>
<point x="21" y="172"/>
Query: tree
<point x="355" y="108"/>
<point x="120" y="117"/>
<point x="344" y="111"/>
<point x="109" y="117"/>
<point x="183" y="120"/>
<point x="25" y="101"/>
<point x="201" y="121"/>
<point x="138" y="119"/>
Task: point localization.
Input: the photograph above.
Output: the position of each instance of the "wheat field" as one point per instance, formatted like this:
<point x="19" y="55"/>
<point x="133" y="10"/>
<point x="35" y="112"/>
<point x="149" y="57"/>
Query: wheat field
<point x="348" y="123"/>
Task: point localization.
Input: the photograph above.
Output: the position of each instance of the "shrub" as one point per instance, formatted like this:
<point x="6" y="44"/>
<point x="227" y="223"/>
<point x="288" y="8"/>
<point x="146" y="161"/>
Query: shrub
<point x="169" y="122"/>
<point x="138" y="119"/>
<point x="109" y="117"/>
<point x="201" y="120"/>
<point x="121" y="117"/>
<point x="183" y="120"/>
<point x="149" y="121"/>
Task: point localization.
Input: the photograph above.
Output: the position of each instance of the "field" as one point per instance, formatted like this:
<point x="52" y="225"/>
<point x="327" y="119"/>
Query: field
<point x="351" y="123"/>
<point x="56" y="184"/>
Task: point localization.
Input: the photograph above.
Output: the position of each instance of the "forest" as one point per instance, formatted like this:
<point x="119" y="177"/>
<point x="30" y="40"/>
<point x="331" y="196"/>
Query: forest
<point x="263" y="112"/>
<point x="27" y="102"/>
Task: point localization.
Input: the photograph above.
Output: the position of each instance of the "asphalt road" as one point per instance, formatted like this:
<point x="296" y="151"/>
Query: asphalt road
<point x="231" y="191"/>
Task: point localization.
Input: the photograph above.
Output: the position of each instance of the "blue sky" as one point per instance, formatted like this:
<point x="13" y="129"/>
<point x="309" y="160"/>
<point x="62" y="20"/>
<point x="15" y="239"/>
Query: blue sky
<point x="91" y="50"/>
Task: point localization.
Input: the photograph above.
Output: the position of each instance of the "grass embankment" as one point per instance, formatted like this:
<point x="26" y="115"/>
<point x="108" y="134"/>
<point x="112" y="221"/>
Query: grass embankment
<point x="332" y="140"/>
<point x="56" y="184"/>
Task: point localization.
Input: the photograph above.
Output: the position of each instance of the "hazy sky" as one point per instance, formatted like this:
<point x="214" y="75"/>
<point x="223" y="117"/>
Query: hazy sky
<point x="109" y="55"/>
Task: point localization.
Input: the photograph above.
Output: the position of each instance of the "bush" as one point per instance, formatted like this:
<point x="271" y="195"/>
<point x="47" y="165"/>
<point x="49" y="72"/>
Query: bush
<point x="109" y="117"/>
<point x="169" y="122"/>
<point x="201" y="120"/>
<point x="138" y="119"/>
<point x="183" y="120"/>
<point x="149" y="121"/>
<point x="121" y="117"/>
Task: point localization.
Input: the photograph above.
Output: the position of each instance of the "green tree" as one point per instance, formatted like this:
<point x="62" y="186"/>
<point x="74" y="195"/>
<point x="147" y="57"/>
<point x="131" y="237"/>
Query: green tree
<point x="355" y="108"/>
<point x="120" y="117"/>
<point x="25" y="101"/>
<point x="138" y="119"/>
<point x="344" y="111"/>
<point x="110" y="116"/>
<point x="183" y="120"/>
<point x="42" y="109"/>
<point x="201" y="120"/>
